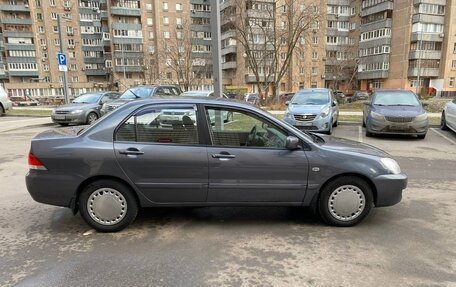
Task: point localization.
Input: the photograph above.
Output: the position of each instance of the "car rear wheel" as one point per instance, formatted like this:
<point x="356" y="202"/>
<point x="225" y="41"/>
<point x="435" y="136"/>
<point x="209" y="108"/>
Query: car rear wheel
<point x="345" y="201"/>
<point x="336" y="123"/>
<point x="108" y="206"/>
<point x="64" y="124"/>
<point x="91" y="118"/>
<point x="443" y="124"/>
<point x="2" y="111"/>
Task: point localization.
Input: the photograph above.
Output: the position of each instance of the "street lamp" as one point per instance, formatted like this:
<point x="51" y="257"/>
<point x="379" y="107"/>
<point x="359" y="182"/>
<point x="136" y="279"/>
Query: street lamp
<point x="65" y="71"/>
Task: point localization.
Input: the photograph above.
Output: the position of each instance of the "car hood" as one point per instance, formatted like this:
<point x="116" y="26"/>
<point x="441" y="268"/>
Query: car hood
<point x="75" y="106"/>
<point x="398" y="111"/>
<point x="119" y="102"/>
<point x="344" y="145"/>
<point x="306" y="109"/>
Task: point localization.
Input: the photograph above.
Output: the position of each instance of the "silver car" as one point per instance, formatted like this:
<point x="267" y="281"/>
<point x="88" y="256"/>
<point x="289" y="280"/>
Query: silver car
<point x="5" y="103"/>
<point x="448" y="120"/>
<point x="85" y="109"/>
<point x="130" y="159"/>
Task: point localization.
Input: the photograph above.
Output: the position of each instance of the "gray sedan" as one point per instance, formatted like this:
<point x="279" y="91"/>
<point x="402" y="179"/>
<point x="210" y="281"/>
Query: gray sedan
<point x="131" y="159"/>
<point x="448" y="120"/>
<point x="395" y="112"/>
<point x="85" y="109"/>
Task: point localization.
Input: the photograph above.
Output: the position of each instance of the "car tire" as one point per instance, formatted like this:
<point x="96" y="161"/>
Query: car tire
<point x="329" y="132"/>
<point x="336" y="123"/>
<point x="368" y="133"/>
<point x="345" y="201"/>
<point x="64" y="124"/>
<point x="2" y="111"/>
<point x="421" y="137"/>
<point x="443" y="124"/>
<point x="97" y="196"/>
<point x="364" y="123"/>
<point x="91" y="118"/>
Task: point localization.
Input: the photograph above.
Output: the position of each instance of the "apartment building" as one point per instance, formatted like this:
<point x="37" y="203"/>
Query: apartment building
<point x="407" y="44"/>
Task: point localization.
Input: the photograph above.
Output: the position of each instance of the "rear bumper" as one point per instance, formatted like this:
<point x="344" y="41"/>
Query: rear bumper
<point x="69" y="119"/>
<point x="51" y="189"/>
<point x="389" y="189"/>
<point x="317" y="125"/>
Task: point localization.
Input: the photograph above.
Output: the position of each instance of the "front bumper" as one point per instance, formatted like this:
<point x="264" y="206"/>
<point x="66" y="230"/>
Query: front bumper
<point x="392" y="128"/>
<point x="317" y="125"/>
<point x="389" y="189"/>
<point x="69" y="118"/>
<point x="8" y="105"/>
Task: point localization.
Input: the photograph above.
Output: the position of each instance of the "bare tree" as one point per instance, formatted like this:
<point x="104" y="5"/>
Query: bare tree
<point x="269" y="32"/>
<point x="343" y="64"/>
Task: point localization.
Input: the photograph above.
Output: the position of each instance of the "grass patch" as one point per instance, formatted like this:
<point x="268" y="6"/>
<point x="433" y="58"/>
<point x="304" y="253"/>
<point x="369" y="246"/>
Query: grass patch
<point x="29" y="113"/>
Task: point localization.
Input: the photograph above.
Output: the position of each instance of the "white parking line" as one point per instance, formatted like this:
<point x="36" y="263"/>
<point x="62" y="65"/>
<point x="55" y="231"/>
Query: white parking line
<point x="443" y="136"/>
<point x="360" y="134"/>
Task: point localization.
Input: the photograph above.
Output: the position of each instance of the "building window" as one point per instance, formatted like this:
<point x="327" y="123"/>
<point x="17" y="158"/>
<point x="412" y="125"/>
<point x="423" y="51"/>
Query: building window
<point x="453" y="65"/>
<point x="150" y="21"/>
<point x="313" y="85"/>
<point x="166" y="35"/>
<point x="301" y="85"/>
<point x="54" y="16"/>
<point x="55" y="29"/>
<point x="149" y="7"/>
<point x="313" y="71"/>
<point x="46" y="67"/>
<point x="451" y="83"/>
<point x="301" y="71"/>
<point x="165" y="20"/>
<point x="315" y="40"/>
<point x="179" y="7"/>
<point x="165" y="6"/>
<point x="39" y="16"/>
<point x="52" y="2"/>
<point x="40" y="29"/>
<point x="314" y="55"/>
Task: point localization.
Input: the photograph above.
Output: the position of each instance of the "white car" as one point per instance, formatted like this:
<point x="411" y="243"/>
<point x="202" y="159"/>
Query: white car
<point x="448" y="120"/>
<point x="5" y="103"/>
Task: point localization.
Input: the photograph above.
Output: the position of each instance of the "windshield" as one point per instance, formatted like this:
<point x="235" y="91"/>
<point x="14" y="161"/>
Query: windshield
<point x="395" y="99"/>
<point x="195" y="94"/>
<point x="134" y="93"/>
<point x="310" y="98"/>
<point x="87" y="99"/>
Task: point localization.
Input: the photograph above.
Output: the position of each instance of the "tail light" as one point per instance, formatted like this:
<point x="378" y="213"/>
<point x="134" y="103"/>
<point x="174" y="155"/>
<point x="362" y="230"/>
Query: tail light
<point x="34" y="163"/>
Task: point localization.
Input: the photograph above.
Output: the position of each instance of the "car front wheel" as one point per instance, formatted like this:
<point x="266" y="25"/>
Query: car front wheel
<point x="91" y="118"/>
<point x="345" y="201"/>
<point x="108" y="206"/>
<point x="443" y="124"/>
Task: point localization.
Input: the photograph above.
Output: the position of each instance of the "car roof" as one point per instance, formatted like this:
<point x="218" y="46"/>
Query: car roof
<point x="153" y="86"/>
<point x="392" y="90"/>
<point x="191" y="100"/>
<point x="313" y="90"/>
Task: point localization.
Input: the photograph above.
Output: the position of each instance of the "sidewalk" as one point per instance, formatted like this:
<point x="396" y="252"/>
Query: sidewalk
<point x="13" y="124"/>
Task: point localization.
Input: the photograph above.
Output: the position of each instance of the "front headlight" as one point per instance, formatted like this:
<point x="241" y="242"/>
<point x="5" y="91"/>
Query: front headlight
<point x="77" y="112"/>
<point x="391" y="165"/>
<point x="377" y="116"/>
<point x="289" y="116"/>
<point x="325" y="112"/>
<point x="421" y="117"/>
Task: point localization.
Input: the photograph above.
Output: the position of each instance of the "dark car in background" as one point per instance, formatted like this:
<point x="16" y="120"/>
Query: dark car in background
<point x="84" y="109"/>
<point x="395" y="112"/>
<point x="130" y="159"/>
<point x="141" y="92"/>
<point x="359" y="96"/>
<point x="340" y="97"/>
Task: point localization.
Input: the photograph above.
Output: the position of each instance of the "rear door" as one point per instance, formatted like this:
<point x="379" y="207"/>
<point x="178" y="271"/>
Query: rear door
<point x="162" y="154"/>
<point x="248" y="161"/>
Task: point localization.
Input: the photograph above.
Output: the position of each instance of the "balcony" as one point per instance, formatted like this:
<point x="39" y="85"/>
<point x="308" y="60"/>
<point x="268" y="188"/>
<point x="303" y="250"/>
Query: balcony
<point x="27" y="73"/>
<point x="435" y="2"/>
<point x="252" y="79"/>
<point x="128" y="54"/>
<point x="21" y="59"/>
<point x="96" y="60"/>
<point x="386" y="23"/>
<point x="92" y="48"/>
<point x="229" y="65"/>
<point x="424" y="72"/>
<point x="377" y="8"/>
<point x="228" y="34"/>
<point x="95" y="72"/>
<point x="127" y="40"/>
<point x="431" y="37"/>
<point x="200" y="14"/>
<point x="431" y="55"/>
<point x="368" y="75"/>
<point x="126" y="26"/>
<point x="26" y="47"/>
<point x="124" y="11"/>
<point x="14" y="8"/>
<point x="17" y="34"/>
<point x="16" y="21"/>
<point x="229" y="50"/>
<point x="129" y="69"/>
<point x="424" y="18"/>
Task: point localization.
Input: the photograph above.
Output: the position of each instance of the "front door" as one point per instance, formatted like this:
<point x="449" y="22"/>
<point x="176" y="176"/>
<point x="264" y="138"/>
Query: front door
<point x="248" y="161"/>
<point x="159" y="149"/>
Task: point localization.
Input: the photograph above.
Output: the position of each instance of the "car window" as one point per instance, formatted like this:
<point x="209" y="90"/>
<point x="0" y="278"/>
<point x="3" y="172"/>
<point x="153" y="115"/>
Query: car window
<point x="165" y="124"/>
<point x="167" y="91"/>
<point x="242" y="129"/>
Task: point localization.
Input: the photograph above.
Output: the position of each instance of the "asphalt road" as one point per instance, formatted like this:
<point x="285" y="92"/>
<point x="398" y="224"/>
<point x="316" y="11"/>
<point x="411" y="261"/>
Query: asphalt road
<point x="410" y="244"/>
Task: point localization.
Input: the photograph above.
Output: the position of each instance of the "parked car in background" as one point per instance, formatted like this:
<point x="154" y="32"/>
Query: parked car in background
<point x="141" y="92"/>
<point x="359" y="96"/>
<point x="85" y="109"/>
<point x="128" y="160"/>
<point x="448" y="120"/>
<point x="201" y="94"/>
<point x="313" y="110"/>
<point x="252" y="98"/>
<point x="285" y="97"/>
<point x="395" y="112"/>
<point x="232" y="95"/>
<point x="5" y="103"/>
<point x="340" y="97"/>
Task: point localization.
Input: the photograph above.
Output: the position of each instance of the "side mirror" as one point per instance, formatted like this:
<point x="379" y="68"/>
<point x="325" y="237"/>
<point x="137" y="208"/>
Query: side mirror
<point x="334" y="103"/>
<point x="287" y="103"/>
<point x="292" y="143"/>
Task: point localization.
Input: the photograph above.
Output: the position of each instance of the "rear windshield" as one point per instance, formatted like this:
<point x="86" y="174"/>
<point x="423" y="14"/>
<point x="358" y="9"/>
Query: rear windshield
<point x="310" y="98"/>
<point x="87" y="99"/>
<point x="395" y="99"/>
<point x="135" y="93"/>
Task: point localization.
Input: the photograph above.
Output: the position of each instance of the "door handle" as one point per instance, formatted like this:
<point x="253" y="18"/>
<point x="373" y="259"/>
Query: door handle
<point x="223" y="156"/>
<point x="131" y="151"/>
